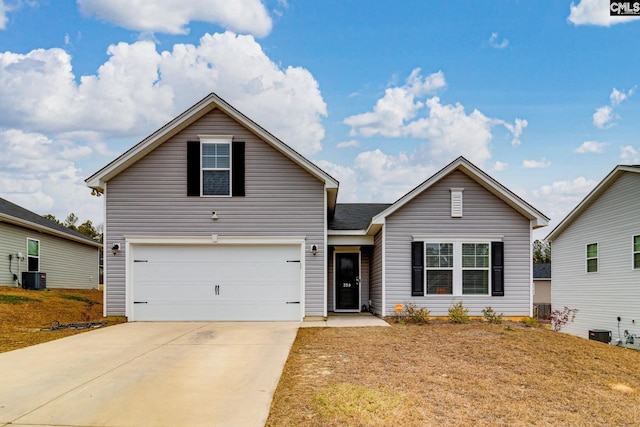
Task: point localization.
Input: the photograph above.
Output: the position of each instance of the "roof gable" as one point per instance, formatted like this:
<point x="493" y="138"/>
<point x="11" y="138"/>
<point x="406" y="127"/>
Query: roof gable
<point x="14" y="214"/>
<point x="210" y="102"/>
<point x="494" y="187"/>
<point x="603" y="186"/>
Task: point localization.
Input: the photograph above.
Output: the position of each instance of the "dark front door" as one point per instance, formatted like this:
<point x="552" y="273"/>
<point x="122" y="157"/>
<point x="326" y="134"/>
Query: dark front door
<point x="347" y="281"/>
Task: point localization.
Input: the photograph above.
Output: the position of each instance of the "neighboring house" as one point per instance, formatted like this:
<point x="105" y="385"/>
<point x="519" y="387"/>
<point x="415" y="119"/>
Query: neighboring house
<point x="213" y="218"/>
<point x="32" y="243"/>
<point x="542" y="290"/>
<point x="596" y="257"/>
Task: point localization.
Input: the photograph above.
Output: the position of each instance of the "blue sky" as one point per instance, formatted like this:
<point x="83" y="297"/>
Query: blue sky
<point x="540" y="95"/>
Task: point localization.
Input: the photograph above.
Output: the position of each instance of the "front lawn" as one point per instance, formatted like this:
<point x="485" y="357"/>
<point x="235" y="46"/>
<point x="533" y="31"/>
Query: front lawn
<point x="25" y="313"/>
<point x="455" y="375"/>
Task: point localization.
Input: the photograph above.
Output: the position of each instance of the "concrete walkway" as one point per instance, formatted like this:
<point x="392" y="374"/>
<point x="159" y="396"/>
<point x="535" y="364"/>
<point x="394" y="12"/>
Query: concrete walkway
<point x="346" y="320"/>
<point x="148" y="374"/>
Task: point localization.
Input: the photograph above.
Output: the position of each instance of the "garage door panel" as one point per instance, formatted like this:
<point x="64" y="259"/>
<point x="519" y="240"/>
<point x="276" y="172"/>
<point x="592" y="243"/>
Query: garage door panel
<point x="217" y="282"/>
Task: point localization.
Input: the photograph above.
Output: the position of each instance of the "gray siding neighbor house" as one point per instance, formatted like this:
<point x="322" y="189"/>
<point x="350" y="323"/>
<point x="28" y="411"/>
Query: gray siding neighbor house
<point x="596" y="257"/>
<point x="213" y="218"/>
<point x="30" y="243"/>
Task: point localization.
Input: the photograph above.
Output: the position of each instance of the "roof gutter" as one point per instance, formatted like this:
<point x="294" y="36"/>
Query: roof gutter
<point x="41" y="229"/>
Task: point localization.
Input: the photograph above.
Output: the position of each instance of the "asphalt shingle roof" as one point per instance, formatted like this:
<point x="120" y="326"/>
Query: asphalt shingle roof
<point x="355" y="216"/>
<point x="11" y="209"/>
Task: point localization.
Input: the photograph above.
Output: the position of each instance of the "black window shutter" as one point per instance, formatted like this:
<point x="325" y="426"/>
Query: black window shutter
<point x="193" y="168"/>
<point x="417" y="269"/>
<point x="497" y="269"/>
<point x="237" y="168"/>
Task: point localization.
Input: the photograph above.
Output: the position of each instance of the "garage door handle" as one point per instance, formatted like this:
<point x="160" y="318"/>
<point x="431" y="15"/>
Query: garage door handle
<point x="293" y="302"/>
<point x="140" y="302"/>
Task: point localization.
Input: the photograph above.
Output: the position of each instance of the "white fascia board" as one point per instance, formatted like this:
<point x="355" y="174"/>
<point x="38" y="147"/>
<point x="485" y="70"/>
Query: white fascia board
<point x="497" y="189"/>
<point x="350" y="240"/>
<point x="214" y="239"/>
<point x="41" y="229"/>
<point x="589" y="199"/>
<point x="209" y="103"/>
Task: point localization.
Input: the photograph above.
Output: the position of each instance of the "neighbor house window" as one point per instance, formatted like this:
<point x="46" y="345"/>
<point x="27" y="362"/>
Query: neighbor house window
<point x="636" y="252"/>
<point x="475" y="268"/>
<point x="216" y="168"/>
<point x="592" y="258"/>
<point x="33" y="255"/>
<point x="439" y="265"/>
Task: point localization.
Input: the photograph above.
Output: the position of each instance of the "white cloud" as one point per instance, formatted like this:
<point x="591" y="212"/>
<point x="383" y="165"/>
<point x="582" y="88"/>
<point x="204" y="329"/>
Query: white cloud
<point x="604" y="116"/>
<point x="4" y="10"/>
<point x="450" y="131"/>
<point x="535" y="164"/>
<point x="500" y="166"/>
<point x="516" y="129"/>
<point x="493" y="41"/>
<point x="173" y="16"/>
<point x="557" y="199"/>
<point x="629" y="155"/>
<point x="138" y="89"/>
<point x="591" y="147"/>
<point x="595" y="12"/>
<point x="39" y="174"/>
<point x="350" y="143"/>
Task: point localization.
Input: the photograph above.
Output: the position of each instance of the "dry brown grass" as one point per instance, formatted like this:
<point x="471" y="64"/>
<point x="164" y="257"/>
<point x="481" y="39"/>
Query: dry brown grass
<point x="455" y="375"/>
<point x="23" y="314"/>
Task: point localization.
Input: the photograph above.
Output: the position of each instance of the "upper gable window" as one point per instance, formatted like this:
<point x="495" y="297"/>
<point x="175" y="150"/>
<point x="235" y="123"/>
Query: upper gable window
<point x="216" y="168"/>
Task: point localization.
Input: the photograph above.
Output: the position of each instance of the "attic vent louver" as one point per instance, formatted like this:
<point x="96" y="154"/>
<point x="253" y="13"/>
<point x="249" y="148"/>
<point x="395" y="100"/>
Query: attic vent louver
<point x="456" y="202"/>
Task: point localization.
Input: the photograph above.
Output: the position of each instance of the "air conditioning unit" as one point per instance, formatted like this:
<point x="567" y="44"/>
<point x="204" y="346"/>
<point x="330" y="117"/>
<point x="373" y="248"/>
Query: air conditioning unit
<point x="34" y="280"/>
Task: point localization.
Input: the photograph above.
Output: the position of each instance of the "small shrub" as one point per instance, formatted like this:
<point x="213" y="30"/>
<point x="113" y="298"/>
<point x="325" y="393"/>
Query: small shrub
<point x="491" y="316"/>
<point x="417" y="314"/>
<point x="529" y="321"/>
<point x="561" y="318"/>
<point x="458" y="313"/>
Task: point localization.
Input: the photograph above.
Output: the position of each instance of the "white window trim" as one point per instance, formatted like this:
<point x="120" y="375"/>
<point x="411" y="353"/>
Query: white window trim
<point x="633" y="252"/>
<point x="31" y="256"/>
<point x="586" y="258"/>
<point x="457" y="263"/>
<point x="216" y="139"/>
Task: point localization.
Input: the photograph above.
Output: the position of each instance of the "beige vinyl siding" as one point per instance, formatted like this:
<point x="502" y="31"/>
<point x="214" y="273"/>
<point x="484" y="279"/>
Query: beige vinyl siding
<point x="68" y="264"/>
<point x="611" y="221"/>
<point x="282" y="199"/>
<point x="483" y="215"/>
<point x="542" y="289"/>
<point x="375" y="278"/>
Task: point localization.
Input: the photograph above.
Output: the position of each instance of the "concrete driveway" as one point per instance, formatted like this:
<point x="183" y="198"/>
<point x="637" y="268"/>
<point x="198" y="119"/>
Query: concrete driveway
<point x="148" y="374"/>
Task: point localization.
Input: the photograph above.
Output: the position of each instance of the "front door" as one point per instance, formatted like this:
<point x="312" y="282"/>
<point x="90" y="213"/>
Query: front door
<point x="347" y="281"/>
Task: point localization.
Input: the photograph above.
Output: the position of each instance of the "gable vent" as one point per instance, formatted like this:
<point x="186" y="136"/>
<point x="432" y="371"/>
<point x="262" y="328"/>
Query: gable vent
<point x="456" y="202"/>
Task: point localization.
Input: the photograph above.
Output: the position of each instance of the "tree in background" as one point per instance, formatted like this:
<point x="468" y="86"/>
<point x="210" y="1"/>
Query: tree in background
<point x="541" y="252"/>
<point x="87" y="228"/>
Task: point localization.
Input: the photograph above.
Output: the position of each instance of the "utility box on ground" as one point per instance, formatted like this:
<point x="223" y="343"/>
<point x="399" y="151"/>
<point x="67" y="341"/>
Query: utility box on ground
<point x="34" y="280"/>
<point x="601" y="335"/>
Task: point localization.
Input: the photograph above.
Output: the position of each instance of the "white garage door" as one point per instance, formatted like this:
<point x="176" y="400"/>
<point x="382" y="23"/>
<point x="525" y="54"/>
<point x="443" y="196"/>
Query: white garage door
<point x="225" y="282"/>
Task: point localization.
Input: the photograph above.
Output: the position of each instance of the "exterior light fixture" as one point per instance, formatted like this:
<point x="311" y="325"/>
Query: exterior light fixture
<point x="214" y="215"/>
<point x="115" y="248"/>
<point x="314" y="249"/>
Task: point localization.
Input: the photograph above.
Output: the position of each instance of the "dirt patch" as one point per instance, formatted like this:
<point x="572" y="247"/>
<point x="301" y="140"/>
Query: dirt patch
<point x="26" y="314"/>
<point x="451" y="375"/>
